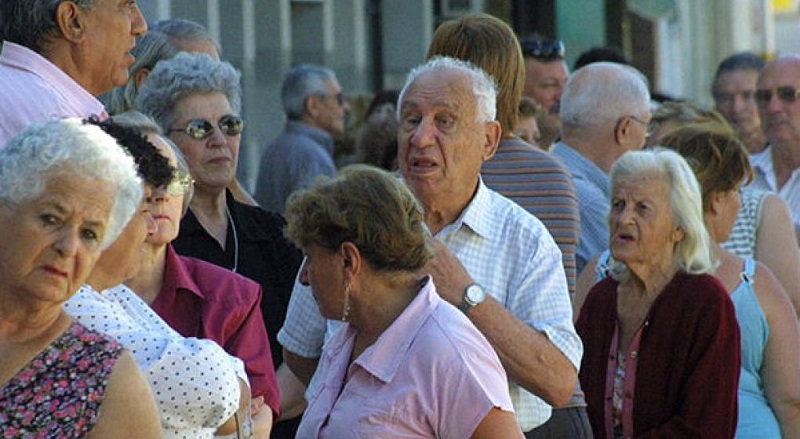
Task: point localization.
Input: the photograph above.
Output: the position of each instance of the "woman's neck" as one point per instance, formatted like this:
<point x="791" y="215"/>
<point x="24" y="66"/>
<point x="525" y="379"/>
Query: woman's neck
<point x="211" y="211"/>
<point x="650" y="279"/>
<point x="21" y="325"/>
<point x="148" y="282"/>
<point x="373" y="314"/>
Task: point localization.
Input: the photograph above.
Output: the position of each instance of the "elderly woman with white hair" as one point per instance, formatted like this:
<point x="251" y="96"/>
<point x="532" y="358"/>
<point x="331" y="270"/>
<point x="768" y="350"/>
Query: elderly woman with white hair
<point x="661" y="340"/>
<point x="66" y="192"/>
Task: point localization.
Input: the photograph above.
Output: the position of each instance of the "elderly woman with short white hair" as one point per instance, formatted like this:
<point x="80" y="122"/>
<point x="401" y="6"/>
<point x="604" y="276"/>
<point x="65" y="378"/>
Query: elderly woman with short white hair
<point x="661" y="341"/>
<point x="66" y="192"/>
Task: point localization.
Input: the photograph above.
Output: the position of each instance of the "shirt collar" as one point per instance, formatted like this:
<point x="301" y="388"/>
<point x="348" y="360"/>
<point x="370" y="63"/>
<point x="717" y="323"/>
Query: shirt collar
<point x="176" y="277"/>
<point x="318" y="135"/>
<point x="477" y="216"/>
<point x="385" y="356"/>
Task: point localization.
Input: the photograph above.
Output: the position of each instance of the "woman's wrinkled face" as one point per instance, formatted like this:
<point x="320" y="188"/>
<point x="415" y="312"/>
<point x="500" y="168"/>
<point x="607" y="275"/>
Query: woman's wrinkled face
<point x="642" y="227"/>
<point x="50" y="244"/>
<point x="323" y="271"/>
<point x="212" y="161"/>
<point x="165" y="203"/>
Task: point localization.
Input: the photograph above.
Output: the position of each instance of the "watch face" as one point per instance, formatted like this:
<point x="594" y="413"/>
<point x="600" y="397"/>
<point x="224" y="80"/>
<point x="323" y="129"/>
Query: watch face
<point x="475" y="294"/>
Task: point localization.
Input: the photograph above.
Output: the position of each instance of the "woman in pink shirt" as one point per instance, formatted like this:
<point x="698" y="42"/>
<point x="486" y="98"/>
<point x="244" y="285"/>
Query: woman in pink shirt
<point x="406" y="363"/>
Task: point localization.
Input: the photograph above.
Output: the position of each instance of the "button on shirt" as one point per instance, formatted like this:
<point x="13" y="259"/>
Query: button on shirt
<point x="430" y="374"/>
<point x="510" y="253"/>
<point x="33" y="89"/>
<point x="765" y="179"/>
<point x="193" y="380"/>
<point x="594" y="197"/>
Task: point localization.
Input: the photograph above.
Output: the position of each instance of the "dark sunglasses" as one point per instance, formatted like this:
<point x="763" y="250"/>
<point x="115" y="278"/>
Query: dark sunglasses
<point x="546" y="50"/>
<point x="786" y="94"/>
<point x="201" y="129"/>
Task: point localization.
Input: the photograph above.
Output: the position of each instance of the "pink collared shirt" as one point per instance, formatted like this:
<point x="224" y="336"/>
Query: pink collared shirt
<point x="33" y="89"/>
<point x="430" y="374"/>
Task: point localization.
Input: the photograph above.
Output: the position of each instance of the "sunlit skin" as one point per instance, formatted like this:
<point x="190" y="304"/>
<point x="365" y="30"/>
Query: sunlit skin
<point x="544" y="83"/>
<point x="643" y="232"/>
<point x="733" y="96"/>
<point x="781" y="121"/>
<point x="441" y="143"/>
<point x="58" y="237"/>
<point x="212" y="161"/>
<point x="102" y="54"/>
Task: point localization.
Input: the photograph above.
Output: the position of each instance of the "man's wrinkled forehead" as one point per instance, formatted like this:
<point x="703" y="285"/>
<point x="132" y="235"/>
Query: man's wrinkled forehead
<point x="447" y="88"/>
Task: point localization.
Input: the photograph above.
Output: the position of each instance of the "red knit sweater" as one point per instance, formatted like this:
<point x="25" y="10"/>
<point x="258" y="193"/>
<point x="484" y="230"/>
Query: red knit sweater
<point x="688" y="370"/>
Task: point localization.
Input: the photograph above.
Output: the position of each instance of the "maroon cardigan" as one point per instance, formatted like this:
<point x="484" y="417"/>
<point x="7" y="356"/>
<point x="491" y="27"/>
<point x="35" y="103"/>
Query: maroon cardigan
<point x="689" y="359"/>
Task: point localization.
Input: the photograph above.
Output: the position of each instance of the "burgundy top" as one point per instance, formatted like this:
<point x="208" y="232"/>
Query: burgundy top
<point x="200" y="299"/>
<point x="687" y="367"/>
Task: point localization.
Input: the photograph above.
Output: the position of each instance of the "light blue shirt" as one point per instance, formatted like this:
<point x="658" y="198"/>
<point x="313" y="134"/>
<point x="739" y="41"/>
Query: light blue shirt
<point x="507" y="251"/>
<point x="593" y="187"/>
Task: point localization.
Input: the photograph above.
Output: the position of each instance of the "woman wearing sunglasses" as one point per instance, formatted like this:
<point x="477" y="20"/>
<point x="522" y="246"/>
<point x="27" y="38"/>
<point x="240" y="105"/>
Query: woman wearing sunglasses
<point x="196" y="100"/>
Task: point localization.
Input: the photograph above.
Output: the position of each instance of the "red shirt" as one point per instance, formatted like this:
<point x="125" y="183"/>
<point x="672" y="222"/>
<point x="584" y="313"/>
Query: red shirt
<point x="225" y="309"/>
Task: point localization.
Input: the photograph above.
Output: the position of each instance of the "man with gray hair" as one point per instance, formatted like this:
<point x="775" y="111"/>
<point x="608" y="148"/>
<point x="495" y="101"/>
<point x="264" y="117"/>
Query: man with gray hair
<point x="605" y="111"/>
<point x="58" y="56"/>
<point x="315" y="108"/>
<point x="494" y="260"/>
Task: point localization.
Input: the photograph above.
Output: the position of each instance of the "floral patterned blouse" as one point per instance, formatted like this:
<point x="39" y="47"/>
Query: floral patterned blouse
<point x="58" y="394"/>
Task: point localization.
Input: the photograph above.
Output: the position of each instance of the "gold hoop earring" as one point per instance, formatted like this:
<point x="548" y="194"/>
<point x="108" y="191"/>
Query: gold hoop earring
<point x="346" y="308"/>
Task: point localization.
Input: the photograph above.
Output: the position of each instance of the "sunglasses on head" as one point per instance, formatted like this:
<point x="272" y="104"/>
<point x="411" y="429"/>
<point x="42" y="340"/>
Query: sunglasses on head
<point x="786" y="94"/>
<point x="546" y="50"/>
<point x="201" y="129"/>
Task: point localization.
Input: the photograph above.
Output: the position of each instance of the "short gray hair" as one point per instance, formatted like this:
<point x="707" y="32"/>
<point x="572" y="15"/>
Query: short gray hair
<point x="483" y="86"/>
<point x="151" y="48"/>
<point x="44" y="150"/>
<point x="30" y="23"/>
<point x="184" y="75"/>
<point x="301" y="82"/>
<point x="601" y="93"/>
<point x="693" y="254"/>
<point x="181" y="29"/>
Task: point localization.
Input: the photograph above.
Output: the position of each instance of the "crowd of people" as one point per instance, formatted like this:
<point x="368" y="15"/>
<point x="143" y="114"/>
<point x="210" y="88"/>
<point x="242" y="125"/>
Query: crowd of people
<point x="519" y="252"/>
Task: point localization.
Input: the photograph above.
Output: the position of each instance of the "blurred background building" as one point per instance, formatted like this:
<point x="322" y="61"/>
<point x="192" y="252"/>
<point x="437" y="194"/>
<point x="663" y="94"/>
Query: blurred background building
<point x="371" y="44"/>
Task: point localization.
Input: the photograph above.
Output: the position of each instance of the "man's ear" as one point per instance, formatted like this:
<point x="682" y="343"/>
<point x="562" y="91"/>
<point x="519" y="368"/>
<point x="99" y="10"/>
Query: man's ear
<point x="70" y="21"/>
<point x="312" y="107"/>
<point x="622" y="131"/>
<point x="494" y="132"/>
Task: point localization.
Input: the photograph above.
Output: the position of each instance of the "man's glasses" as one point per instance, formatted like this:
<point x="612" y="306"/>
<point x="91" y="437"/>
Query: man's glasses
<point x="201" y="129"/>
<point x="786" y="94"/>
<point x="180" y="183"/>
<point x="650" y="127"/>
<point x="545" y="50"/>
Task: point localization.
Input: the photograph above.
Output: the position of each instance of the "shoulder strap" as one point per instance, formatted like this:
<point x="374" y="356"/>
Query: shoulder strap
<point x="749" y="273"/>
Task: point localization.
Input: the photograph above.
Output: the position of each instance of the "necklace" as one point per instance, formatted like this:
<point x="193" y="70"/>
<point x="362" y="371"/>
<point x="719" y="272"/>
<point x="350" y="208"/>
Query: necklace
<point x="235" y="242"/>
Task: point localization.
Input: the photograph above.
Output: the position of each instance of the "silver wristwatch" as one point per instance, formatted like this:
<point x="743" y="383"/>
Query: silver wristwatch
<point x="473" y="296"/>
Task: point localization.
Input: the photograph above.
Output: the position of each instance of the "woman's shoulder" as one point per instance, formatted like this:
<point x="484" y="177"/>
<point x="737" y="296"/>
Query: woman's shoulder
<point x="219" y="283"/>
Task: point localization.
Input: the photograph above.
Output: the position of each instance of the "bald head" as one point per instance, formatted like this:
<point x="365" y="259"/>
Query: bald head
<point x="598" y="94"/>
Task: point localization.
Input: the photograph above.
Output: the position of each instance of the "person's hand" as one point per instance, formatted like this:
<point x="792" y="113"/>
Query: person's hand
<point x="449" y="275"/>
<point x="262" y="418"/>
